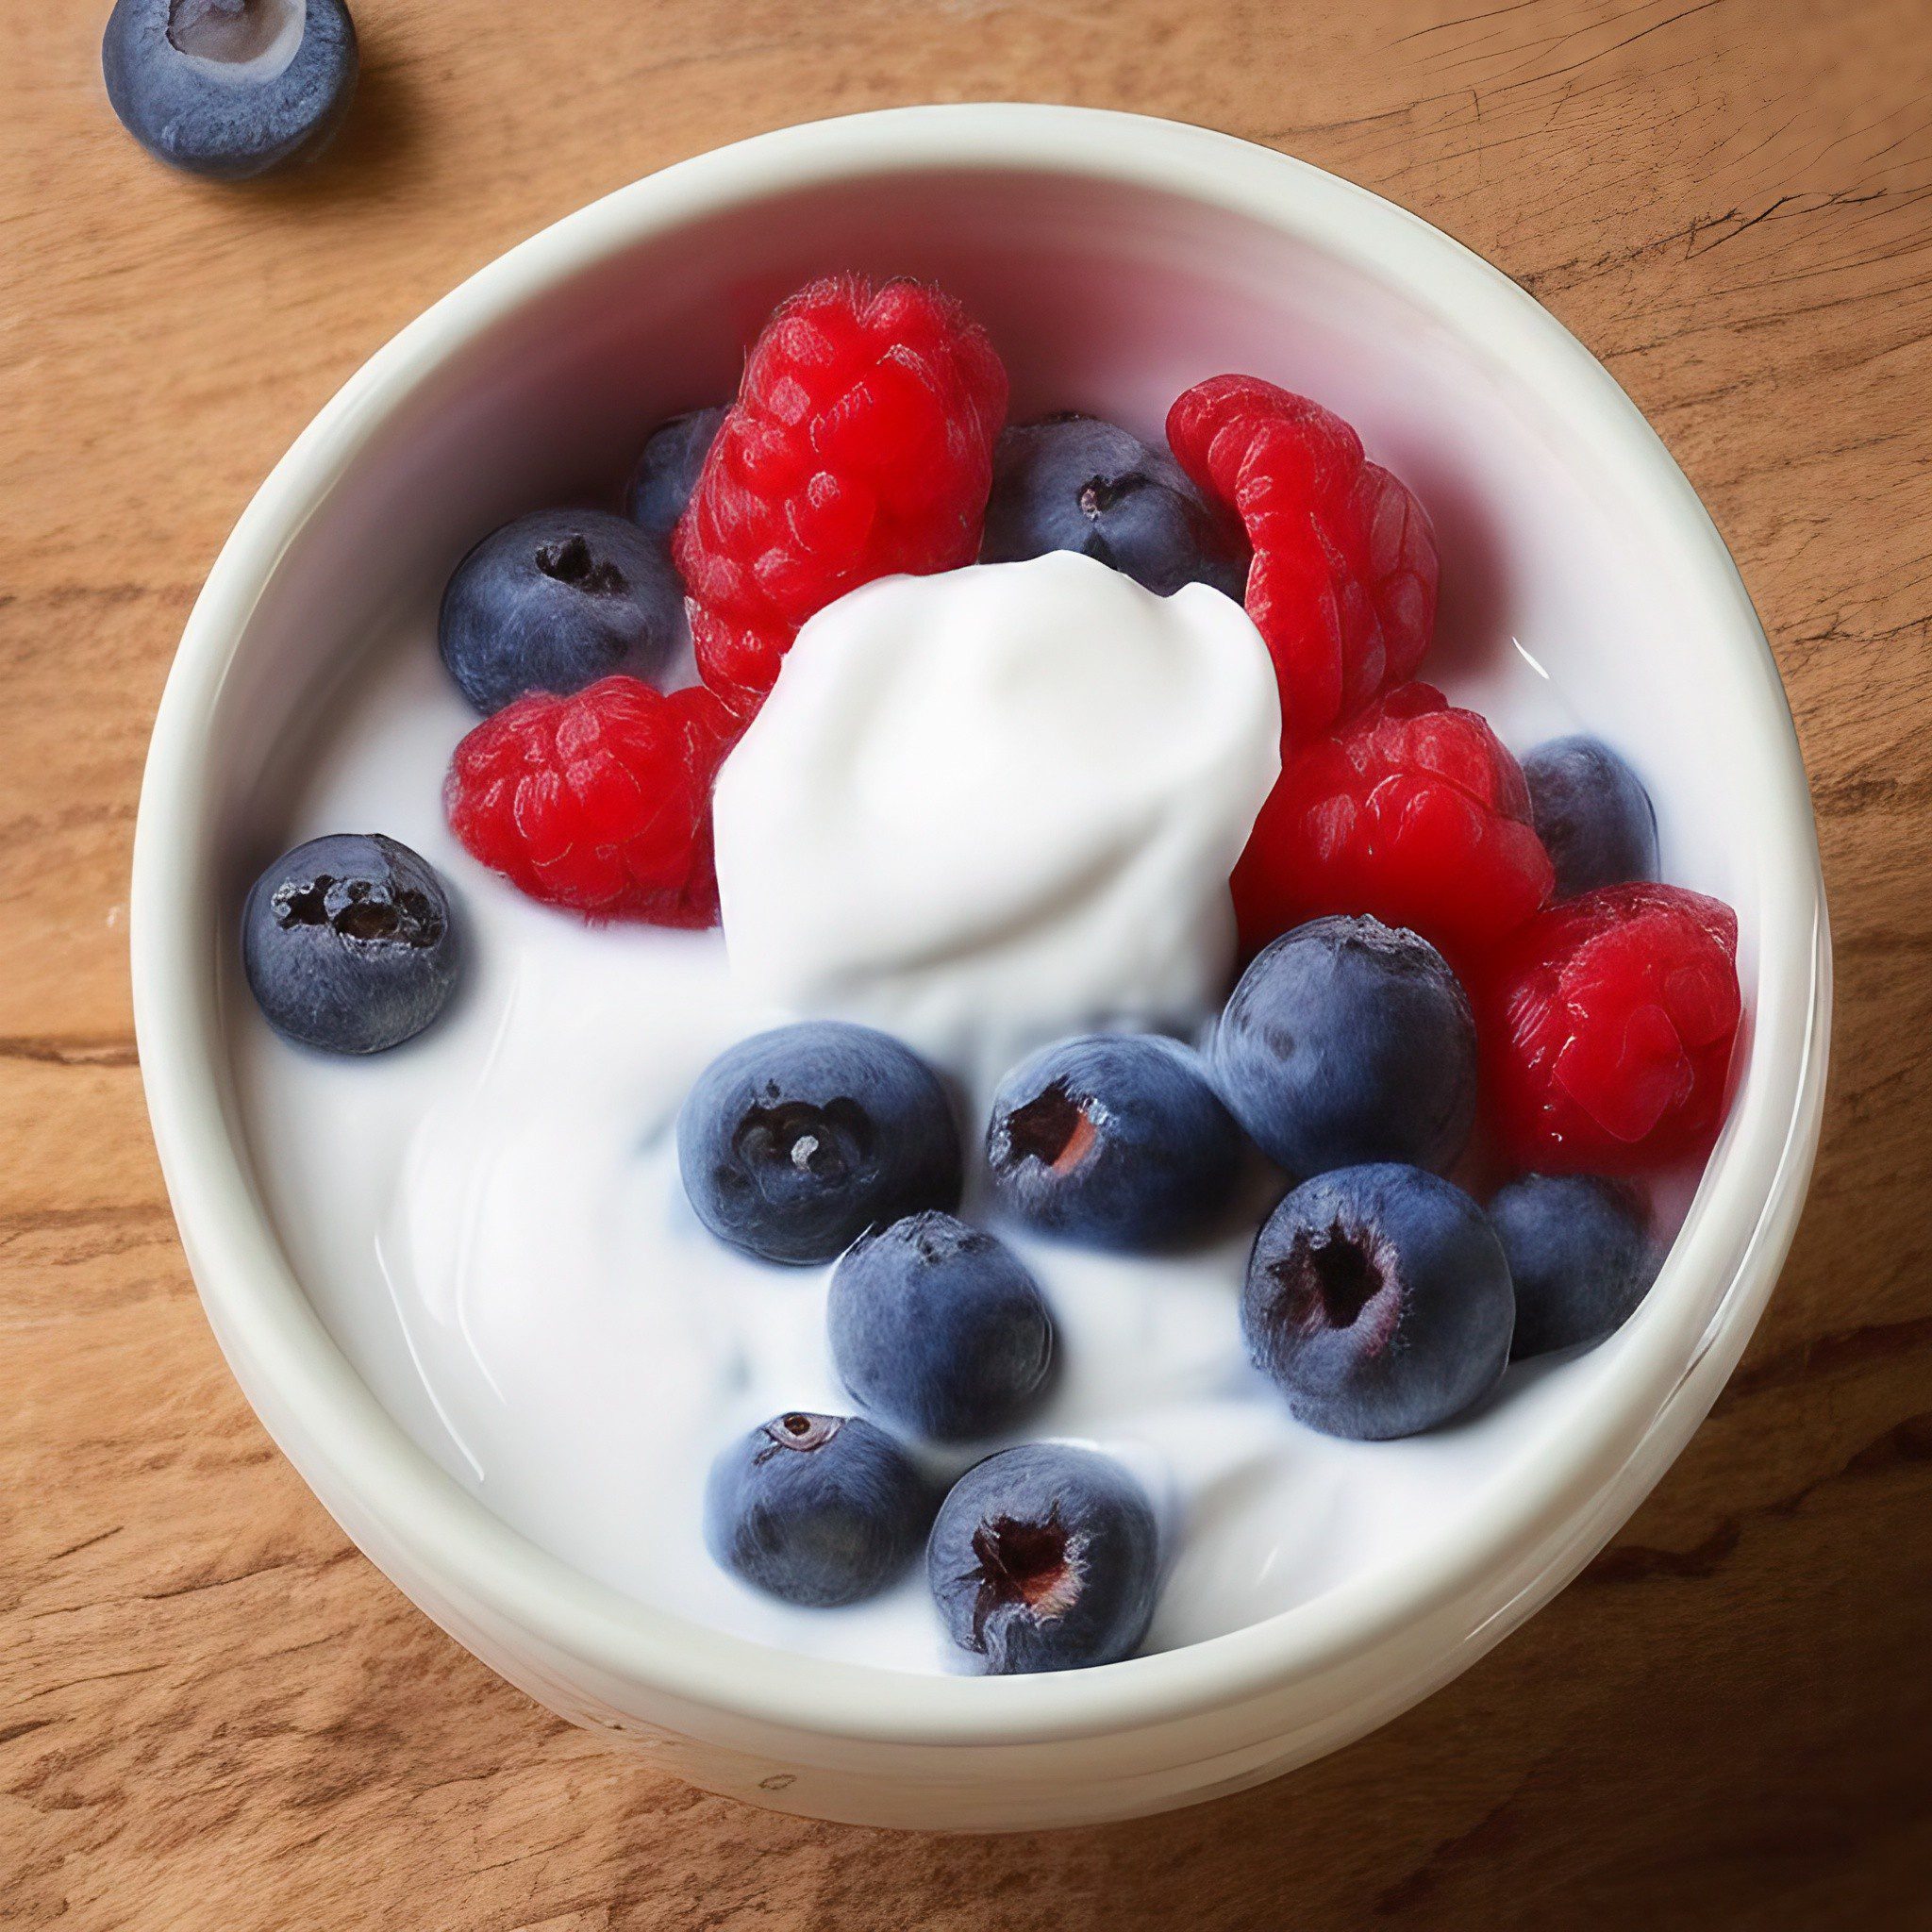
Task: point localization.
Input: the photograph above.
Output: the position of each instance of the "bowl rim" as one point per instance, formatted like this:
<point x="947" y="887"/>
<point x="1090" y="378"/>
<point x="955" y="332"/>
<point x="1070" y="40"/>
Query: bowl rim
<point x="1740" y="1222"/>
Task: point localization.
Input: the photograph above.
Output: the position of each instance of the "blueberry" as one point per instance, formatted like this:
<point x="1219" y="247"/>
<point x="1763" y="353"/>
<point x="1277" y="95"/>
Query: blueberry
<point x="1114" y="1140"/>
<point x="818" y="1509"/>
<point x="1349" y="1041"/>
<point x="348" y="943"/>
<point x="1045" y="1557"/>
<point x="230" y="88"/>
<point x="1072" y="482"/>
<point x="795" y="1142"/>
<point x="667" y="470"/>
<point x="1378" y="1302"/>
<point x="1580" y="1255"/>
<point x="939" y="1328"/>
<point x="555" y="601"/>
<point x="1593" y="815"/>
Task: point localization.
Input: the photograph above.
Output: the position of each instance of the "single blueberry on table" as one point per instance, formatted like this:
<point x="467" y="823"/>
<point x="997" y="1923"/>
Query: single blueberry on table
<point x="1593" y="815"/>
<point x="229" y="88"/>
<point x="939" y="1328"/>
<point x="793" y="1142"/>
<point x="667" y="470"/>
<point x="1045" y="1557"/>
<point x="818" y="1509"/>
<point x="1114" y="1140"/>
<point x="555" y="602"/>
<point x="1580" y="1255"/>
<point x="1074" y="482"/>
<point x="1348" y="1040"/>
<point x="1378" y="1302"/>
<point x="348" y="943"/>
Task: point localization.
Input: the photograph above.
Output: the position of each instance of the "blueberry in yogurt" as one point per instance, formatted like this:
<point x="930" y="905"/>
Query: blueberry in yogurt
<point x="1580" y="1256"/>
<point x="555" y="602"/>
<point x="229" y="88"/>
<point x="1348" y="1040"/>
<point x="667" y="470"/>
<point x="817" y="1510"/>
<point x="349" y="945"/>
<point x="1045" y="1557"/>
<point x="939" y="1328"/>
<point x="1074" y="482"/>
<point x="793" y="1142"/>
<point x="1114" y="1140"/>
<point x="1378" y="1302"/>
<point x="1593" y="815"/>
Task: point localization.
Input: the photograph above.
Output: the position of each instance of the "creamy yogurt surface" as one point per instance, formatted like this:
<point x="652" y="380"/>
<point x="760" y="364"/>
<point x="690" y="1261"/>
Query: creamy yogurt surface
<point x="986" y="809"/>
<point x="489" y="1218"/>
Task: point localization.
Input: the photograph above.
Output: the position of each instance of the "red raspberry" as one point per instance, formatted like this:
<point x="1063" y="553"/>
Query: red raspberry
<point x="860" y="446"/>
<point x="1416" y="812"/>
<point x="1608" y="1024"/>
<point x="1344" y="584"/>
<point x="600" y="801"/>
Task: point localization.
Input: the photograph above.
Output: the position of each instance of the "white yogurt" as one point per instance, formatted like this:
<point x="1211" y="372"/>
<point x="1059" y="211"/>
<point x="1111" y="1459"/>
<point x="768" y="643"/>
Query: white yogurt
<point x="491" y="1223"/>
<point x="992" y="808"/>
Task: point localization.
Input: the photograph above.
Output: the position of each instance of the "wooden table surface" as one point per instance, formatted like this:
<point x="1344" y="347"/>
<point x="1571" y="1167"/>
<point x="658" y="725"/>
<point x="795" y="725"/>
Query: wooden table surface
<point x="213" y="1712"/>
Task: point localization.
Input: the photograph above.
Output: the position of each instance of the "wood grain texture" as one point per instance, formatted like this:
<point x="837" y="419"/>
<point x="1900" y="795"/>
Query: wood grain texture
<point x="213" y="1712"/>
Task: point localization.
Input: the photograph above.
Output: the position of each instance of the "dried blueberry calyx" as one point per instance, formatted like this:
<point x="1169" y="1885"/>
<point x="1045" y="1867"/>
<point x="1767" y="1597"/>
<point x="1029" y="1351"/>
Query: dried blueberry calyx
<point x="797" y="1430"/>
<point x="1053" y="1128"/>
<point x="827" y="1142"/>
<point x="303" y="904"/>
<point x="1326" y="1280"/>
<point x="1033" y="1564"/>
<point x="570" y="562"/>
<point x="407" y="917"/>
<point x="233" y="32"/>
<point x="1099" y="494"/>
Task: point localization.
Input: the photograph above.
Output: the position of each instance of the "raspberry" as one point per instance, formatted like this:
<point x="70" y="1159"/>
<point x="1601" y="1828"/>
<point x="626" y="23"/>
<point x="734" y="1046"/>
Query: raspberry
<point x="1607" y="1024"/>
<point x="1416" y="812"/>
<point x="1344" y="584"/>
<point x="860" y="446"/>
<point x="600" y="801"/>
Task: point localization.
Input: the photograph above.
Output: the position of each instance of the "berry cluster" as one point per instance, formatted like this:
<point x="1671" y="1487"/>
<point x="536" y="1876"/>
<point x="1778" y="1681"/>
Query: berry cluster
<point x="826" y="1142"/>
<point x="859" y="445"/>
<point x="1608" y="1017"/>
<point x="1380" y="1298"/>
<point x="1446" y="950"/>
<point x="866" y="439"/>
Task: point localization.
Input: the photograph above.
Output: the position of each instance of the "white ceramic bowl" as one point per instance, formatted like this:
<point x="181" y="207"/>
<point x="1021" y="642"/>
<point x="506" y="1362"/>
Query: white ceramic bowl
<point x="1116" y="259"/>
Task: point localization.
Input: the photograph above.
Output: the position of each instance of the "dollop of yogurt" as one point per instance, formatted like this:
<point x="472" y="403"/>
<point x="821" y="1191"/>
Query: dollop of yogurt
<point x="994" y="806"/>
